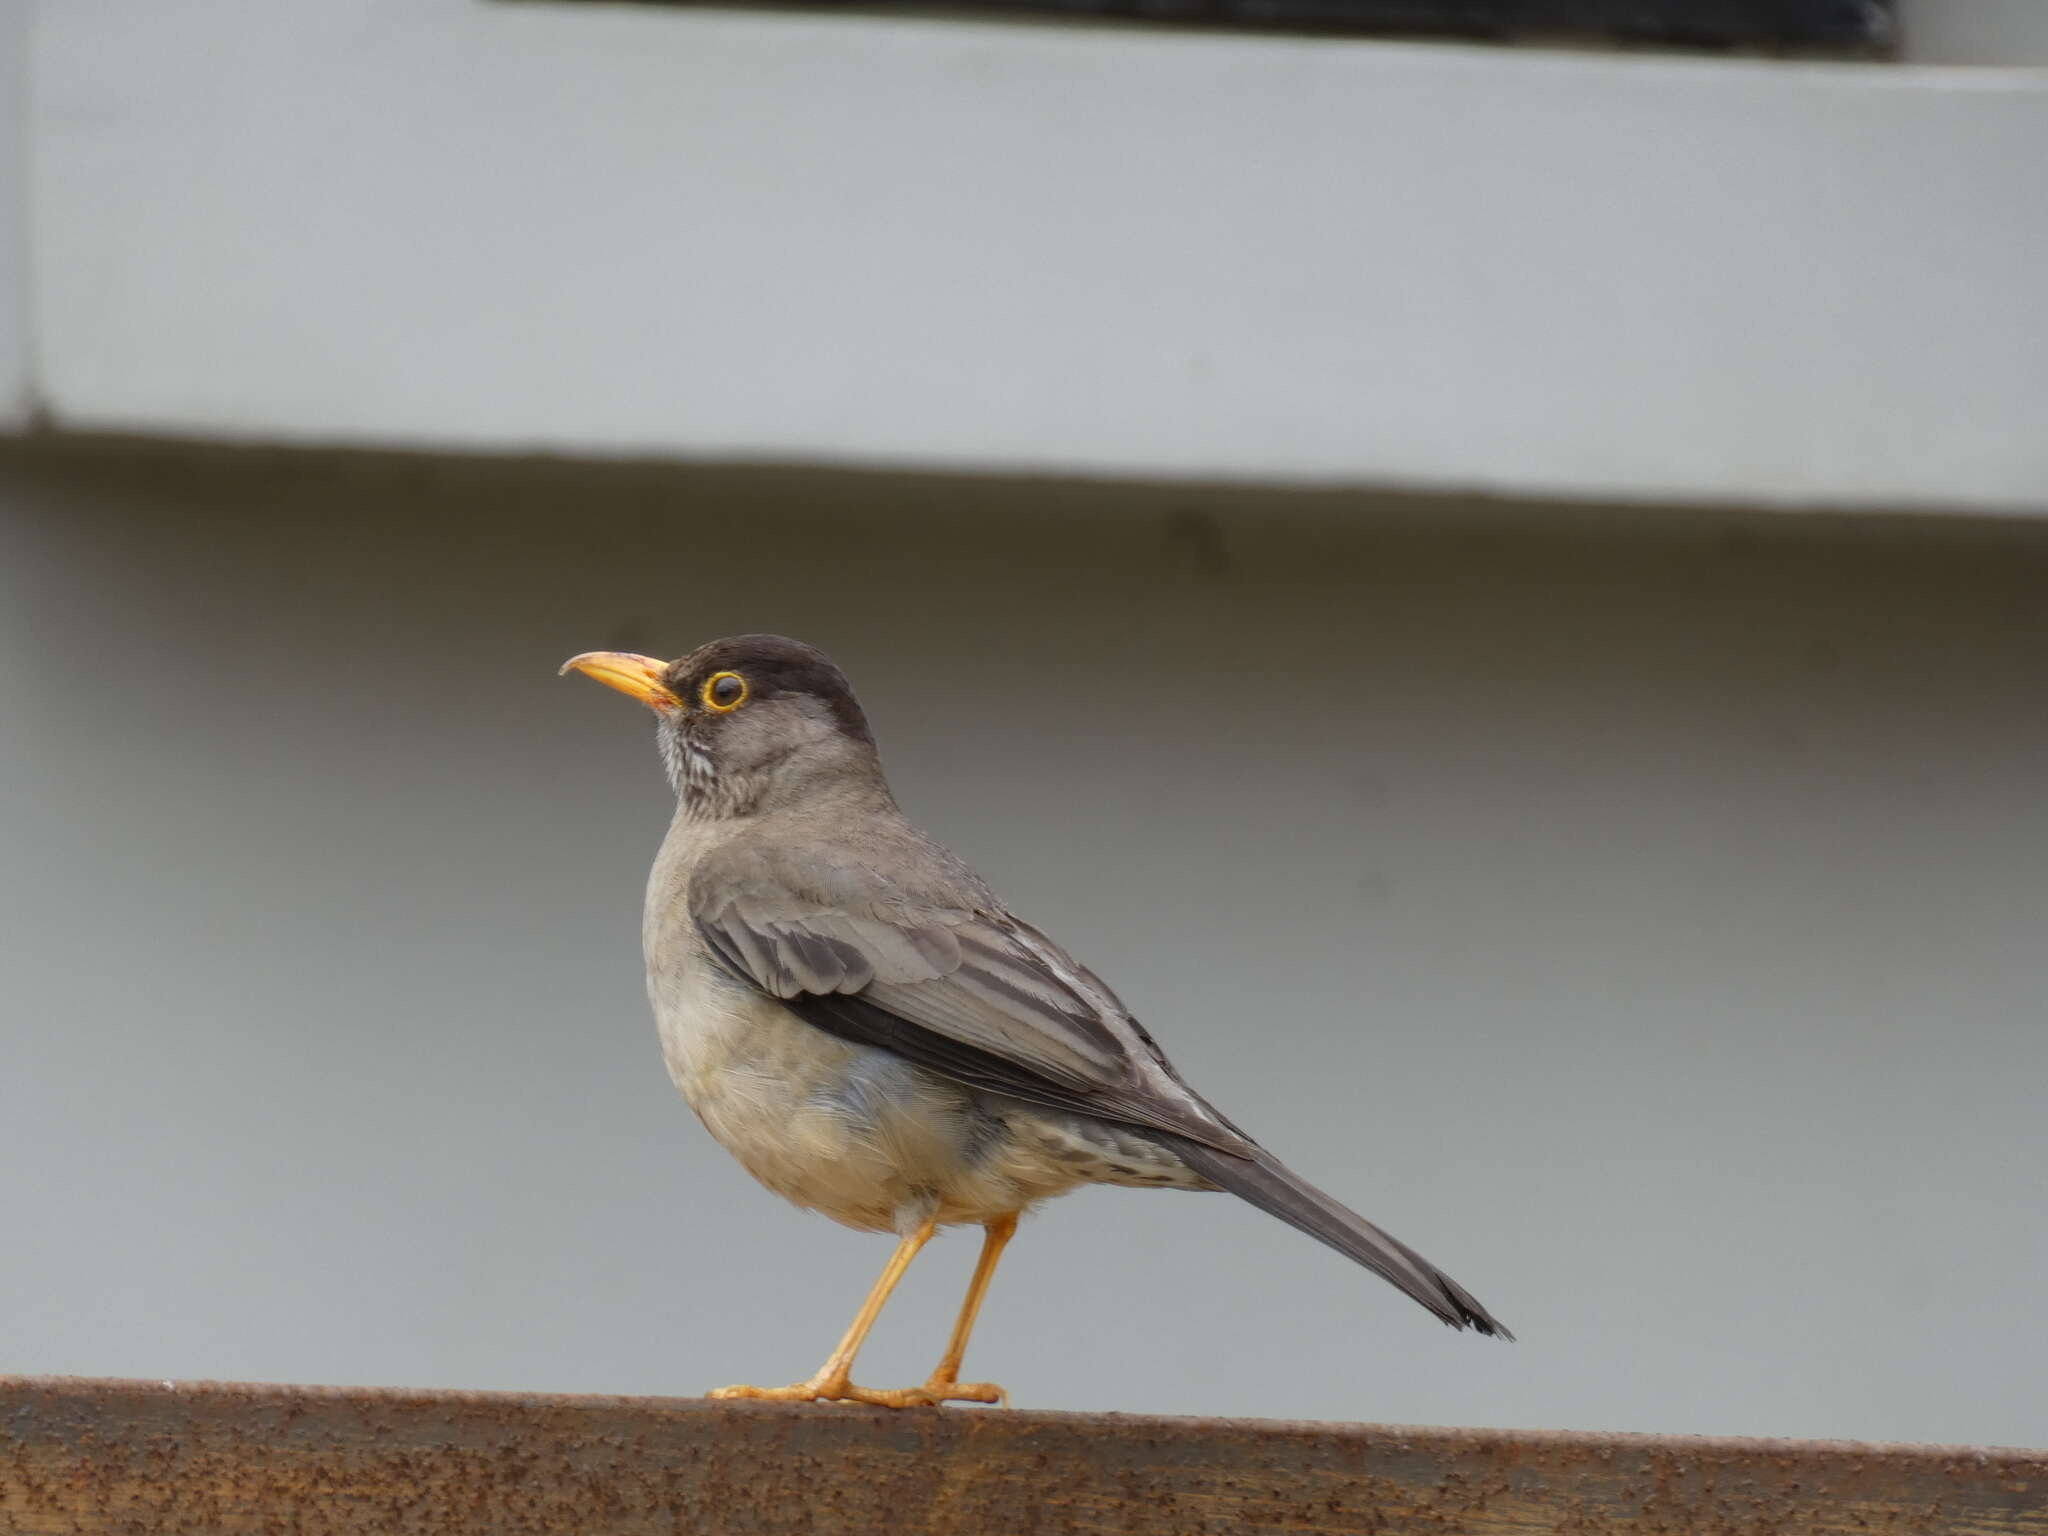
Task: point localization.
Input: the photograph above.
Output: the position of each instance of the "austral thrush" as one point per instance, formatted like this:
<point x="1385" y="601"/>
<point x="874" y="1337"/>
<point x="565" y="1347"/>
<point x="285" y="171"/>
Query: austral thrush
<point x="865" y="1026"/>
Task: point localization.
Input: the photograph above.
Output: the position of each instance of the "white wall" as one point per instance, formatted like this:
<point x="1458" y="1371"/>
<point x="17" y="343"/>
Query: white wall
<point x="1640" y="913"/>
<point x="766" y="234"/>
<point x="15" y="368"/>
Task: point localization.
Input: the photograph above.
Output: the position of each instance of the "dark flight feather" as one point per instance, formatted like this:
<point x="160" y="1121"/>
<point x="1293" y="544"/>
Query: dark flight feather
<point x="1279" y="1191"/>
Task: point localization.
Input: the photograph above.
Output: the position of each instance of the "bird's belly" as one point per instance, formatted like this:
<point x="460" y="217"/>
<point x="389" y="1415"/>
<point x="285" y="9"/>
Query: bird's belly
<point x="851" y="1131"/>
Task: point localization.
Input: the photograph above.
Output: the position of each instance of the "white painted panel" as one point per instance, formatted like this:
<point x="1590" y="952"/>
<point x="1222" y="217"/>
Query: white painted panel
<point x="15" y="390"/>
<point x="436" y="221"/>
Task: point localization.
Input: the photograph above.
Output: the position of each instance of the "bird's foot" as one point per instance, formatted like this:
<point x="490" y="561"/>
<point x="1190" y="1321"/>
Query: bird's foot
<point x="940" y="1389"/>
<point x="838" y="1389"/>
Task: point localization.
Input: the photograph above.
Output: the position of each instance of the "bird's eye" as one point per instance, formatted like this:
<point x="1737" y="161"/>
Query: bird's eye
<point x="724" y="691"/>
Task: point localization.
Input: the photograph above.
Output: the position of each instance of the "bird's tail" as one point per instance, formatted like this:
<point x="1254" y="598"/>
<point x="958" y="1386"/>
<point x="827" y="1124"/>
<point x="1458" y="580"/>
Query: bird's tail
<point x="1277" y="1190"/>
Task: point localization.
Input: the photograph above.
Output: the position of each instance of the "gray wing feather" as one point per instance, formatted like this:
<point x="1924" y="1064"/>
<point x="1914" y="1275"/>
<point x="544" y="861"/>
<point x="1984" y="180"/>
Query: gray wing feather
<point x="941" y="955"/>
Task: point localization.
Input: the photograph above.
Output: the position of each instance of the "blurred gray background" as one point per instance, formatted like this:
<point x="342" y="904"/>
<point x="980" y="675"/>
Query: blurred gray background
<point x="1640" y="911"/>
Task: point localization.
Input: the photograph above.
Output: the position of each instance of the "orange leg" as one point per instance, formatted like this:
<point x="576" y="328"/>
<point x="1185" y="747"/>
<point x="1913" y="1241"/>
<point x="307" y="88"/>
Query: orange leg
<point x="833" y="1383"/>
<point x="946" y="1379"/>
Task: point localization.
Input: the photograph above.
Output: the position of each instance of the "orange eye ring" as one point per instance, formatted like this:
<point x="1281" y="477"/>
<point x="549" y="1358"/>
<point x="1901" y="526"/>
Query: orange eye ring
<point x="724" y="692"/>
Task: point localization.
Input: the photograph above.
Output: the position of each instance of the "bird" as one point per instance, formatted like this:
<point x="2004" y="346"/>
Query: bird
<point x="865" y="1026"/>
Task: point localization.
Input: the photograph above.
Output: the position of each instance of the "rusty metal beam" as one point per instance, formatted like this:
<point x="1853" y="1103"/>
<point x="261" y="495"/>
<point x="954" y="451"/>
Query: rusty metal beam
<point x="83" y="1457"/>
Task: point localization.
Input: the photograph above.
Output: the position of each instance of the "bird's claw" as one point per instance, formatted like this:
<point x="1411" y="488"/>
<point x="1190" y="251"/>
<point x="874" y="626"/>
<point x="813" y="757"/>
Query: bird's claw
<point x="841" y="1390"/>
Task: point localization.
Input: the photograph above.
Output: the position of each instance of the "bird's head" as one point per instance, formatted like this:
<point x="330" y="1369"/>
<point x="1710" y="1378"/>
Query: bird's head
<point x="745" y="722"/>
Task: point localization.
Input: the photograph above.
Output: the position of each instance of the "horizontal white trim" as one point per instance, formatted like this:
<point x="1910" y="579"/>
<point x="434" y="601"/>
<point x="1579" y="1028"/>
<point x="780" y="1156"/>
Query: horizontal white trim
<point x="706" y="233"/>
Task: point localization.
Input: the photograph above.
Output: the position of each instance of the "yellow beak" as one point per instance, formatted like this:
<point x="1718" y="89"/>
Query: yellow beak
<point x="639" y="676"/>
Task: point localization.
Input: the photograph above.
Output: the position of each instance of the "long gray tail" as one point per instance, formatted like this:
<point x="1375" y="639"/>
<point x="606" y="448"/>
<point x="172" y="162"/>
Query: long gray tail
<point x="1274" y="1188"/>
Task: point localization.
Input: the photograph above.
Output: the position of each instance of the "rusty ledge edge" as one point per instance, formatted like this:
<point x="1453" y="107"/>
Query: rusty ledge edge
<point x="114" y="1388"/>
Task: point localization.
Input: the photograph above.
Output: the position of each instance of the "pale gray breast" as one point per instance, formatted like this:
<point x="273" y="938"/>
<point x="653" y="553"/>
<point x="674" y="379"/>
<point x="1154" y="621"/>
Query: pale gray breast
<point x="704" y="1016"/>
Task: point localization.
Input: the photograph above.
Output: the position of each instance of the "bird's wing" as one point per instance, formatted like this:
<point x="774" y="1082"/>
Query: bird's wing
<point x="924" y="962"/>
